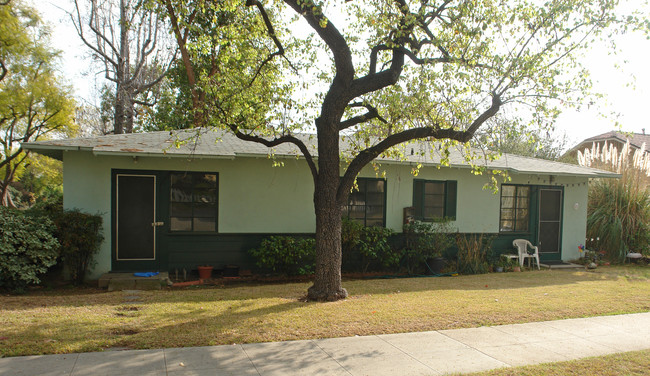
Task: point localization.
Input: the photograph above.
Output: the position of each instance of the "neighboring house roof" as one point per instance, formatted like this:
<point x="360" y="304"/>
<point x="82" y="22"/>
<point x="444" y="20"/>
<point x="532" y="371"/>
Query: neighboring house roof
<point x="636" y="140"/>
<point x="219" y="144"/>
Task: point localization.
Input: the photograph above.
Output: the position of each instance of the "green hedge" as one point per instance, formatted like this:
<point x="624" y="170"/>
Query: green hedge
<point x="286" y="255"/>
<point x="27" y="248"/>
<point x="425" y="241"/>
<point x="80" y="235"/>
<point x="367" y="248"/>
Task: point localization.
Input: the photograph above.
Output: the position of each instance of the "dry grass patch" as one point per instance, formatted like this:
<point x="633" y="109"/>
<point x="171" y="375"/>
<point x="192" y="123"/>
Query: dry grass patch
<point x="635" y="363"/>
<point x="91" y="320"/>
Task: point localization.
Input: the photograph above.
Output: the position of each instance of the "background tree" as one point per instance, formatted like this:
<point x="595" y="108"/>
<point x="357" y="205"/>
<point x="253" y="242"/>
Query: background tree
<point x="401" y="71"/>
<point x="40" y="179"/>
<point x="34" y="103"/>
<point x="173" y="109"/>
<point x="13" y="36"/>
<point x="226" y="58"/>
<point x="128" y="37"/>
<point x="97" y="120"/>
<point x="503" y="135"/>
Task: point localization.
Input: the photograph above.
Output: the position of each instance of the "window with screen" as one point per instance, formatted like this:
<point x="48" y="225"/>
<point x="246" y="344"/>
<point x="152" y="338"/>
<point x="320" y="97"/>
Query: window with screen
<point x="434" y="199"/>
<point x="515" y="208"/>
<point x="193" y="201"/>
<point x="366" y="204"/>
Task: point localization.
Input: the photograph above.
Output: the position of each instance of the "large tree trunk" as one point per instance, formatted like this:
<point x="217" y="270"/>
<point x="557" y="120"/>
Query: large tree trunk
<point x="327" y="277"/>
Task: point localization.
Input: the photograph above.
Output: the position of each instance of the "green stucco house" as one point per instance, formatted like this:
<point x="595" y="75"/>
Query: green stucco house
<point x="171" y="200"/>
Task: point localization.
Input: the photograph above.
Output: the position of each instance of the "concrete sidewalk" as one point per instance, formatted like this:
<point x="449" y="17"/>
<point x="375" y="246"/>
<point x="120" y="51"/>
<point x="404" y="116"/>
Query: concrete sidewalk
<point x="426" y="353"/>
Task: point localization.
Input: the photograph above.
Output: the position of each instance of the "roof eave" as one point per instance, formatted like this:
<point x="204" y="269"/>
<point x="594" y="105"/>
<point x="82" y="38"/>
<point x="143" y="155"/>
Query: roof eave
<point x="52" y="151"/>
<point x="159" y="155"/>
<point x="557" y="173"/>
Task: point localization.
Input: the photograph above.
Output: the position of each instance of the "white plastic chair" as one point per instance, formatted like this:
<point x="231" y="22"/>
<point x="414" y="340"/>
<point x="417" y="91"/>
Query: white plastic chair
<point x="522" y="247"/>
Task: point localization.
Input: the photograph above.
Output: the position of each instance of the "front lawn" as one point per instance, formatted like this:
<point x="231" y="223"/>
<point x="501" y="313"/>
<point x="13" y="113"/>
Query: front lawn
<point x="635" y="363"/>
<point x="75" y="320"/>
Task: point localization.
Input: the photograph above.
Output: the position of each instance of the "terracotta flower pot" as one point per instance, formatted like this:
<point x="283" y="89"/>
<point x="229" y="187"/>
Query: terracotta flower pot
<point x="205" y="272"/>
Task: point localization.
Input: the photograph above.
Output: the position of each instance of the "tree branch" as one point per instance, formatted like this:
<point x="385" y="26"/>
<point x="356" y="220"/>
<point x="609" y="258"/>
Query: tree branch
<point x="330" y="35"/>
<point x="371" y="114"/>
<point x="79" y="28"/>
<point x="373" y="57"/>
<point x="366" y="156"/>
<point x="181" y="41"/>
<point x="272" y="34"/>
<point x="376" y="81"/>
<point x="11" y="157"/>
<point x="274" y="142"/>
<point x="3" y="69"/>
<point x="145" y="103"/>
<point x="428" y="60"/>
<point x="278" y="141"/>
<point x="494" y="108"/>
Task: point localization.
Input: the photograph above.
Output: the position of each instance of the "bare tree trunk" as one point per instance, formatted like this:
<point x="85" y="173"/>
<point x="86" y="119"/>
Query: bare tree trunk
<point x="123" y="101"/>
<point x="140" y="32"/>
<point x="327" y="278"/>
<point x="119" y="115"/>
<point x="124" y="110"/>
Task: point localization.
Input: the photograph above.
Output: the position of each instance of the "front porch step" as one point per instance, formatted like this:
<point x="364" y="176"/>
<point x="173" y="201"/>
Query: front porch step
<point x="560" y="265"/>
<point x="127" y="281"/>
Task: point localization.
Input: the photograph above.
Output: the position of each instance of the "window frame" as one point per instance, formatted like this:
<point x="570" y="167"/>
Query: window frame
<point x="347" y="208"/>
<point x="194" y="175"/>
<point x="450" y="187"/>
<point x="515" y="209"/>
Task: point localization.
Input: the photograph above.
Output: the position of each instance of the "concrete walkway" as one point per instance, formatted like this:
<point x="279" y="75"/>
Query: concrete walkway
<point x="427" y="353"/>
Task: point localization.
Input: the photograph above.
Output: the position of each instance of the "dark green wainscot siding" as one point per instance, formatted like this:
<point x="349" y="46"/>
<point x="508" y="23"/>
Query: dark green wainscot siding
<point x="501" y="244"/>
<point x="187" y="251"/>
<point x="190" y="250"/>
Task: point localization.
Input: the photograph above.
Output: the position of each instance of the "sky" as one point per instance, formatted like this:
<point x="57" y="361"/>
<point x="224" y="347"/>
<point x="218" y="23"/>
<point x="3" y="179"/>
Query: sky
<point x="624" y="78"/>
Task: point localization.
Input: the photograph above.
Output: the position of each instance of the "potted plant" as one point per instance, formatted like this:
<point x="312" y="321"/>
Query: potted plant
<point x="508" y="264"/>
<point x="205" y="271"/>
<point x="502" y="265"/>
<point x="592" y="259"/>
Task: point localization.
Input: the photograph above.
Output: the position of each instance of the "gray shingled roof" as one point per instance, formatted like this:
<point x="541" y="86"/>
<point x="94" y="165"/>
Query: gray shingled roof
<point x="216" y="144"/>
<point x="636" y="139"/>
